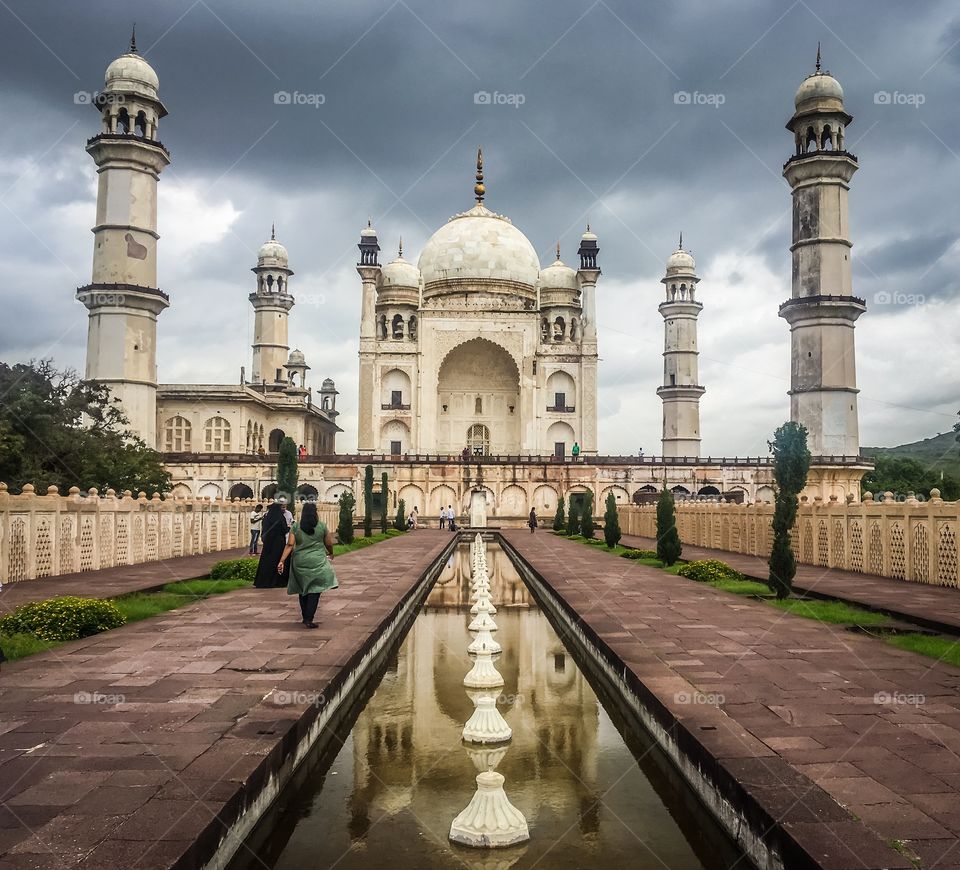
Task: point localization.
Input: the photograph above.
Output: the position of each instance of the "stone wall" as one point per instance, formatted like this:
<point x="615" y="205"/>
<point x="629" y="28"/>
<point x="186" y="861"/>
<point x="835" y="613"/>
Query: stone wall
<point x="48" y="535"/>
<point x="905" y="540"/>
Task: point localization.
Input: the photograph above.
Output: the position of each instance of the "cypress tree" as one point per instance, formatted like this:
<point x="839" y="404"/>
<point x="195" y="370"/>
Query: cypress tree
<point x="287" y="470"/>
<point x="345" y="524"/>
<point x="611" y="522"/>
<point x="586" y="521"/>
<point x="400" y="523"/>
<point x="791" y="462"/>
<point x="573" y="521"/>
<point x="669" y="547"/>
<point x="383" y="502"/>
<point x="368" y="501"/>
<point x="559" y="520"/>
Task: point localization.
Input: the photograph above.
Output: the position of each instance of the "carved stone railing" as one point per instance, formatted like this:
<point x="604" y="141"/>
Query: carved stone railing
<point x="903" y="539"/>
<point x="52" y="534"/>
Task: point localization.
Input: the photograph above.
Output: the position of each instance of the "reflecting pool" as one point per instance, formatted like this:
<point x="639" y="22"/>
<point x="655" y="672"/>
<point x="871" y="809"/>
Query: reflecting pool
<point x="386" y="793"/>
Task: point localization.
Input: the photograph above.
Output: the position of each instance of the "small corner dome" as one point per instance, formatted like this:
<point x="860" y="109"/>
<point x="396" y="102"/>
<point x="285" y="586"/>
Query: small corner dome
<point x="400" y="273"/>
<point x="820" y="86"/>
<point x="479" y="245"/>
<point x="296" y="358"/>
<point x="681" y="260"/>
<point x="559" y="276"/>
<point x="272" y="253"/>
<point x="328" y="384"/>
<point x="588" y="236"/>
<point x="130" y="72"/>
<point x="368" y="232"/>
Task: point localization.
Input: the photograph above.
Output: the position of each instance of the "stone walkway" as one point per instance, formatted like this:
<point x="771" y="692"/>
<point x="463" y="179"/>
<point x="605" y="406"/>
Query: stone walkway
<point x="135" y="748"/>
<point x="936" y="607"/>
<point x="110" y="582"/>
<point x="850" y="744"/>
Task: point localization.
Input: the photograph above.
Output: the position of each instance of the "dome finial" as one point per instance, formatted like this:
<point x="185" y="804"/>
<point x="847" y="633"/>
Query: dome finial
<point x="478" y="189"/>
<point x="588" y="226"/>
<point x="558" y="250"/>
<point x="680" y="246"/>
<point x="273" y="232"/>
<point x="400" y="249"/>
<point x="133" y="39"/>
<point x="818" y="55"/>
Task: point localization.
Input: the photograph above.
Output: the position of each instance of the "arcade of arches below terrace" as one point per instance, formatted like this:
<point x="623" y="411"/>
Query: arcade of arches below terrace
<point x="511" y="484"/>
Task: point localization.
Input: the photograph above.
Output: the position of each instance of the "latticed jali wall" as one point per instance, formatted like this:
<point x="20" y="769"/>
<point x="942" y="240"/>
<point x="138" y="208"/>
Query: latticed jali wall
<point x="48" y="535"/>
<point x="905" y="540"/>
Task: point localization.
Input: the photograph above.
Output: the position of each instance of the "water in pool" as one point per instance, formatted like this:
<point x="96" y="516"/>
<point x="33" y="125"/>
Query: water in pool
<point x="386" y="793"/>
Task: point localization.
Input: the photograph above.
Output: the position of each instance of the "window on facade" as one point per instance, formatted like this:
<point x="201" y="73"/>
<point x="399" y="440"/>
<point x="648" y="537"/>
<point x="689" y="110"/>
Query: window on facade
<point x="478" y="405"/>
<point x="478" y="439"/>
<point x="216" y="435"/>
<point x="176" y="435"/>
<point x="396" y="448"/>
<point x="559" y="400"/>
<point x="396" y="398"/>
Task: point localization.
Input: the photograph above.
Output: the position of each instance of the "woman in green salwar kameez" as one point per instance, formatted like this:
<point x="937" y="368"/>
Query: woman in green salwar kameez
<point x="311" y="571"/>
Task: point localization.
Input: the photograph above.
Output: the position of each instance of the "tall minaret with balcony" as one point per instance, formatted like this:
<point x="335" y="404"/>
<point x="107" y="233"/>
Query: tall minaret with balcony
<point x="369" y="270"/>
<point x="123" y="299"/>
<point x="822" y="310"/>
<point x="587" y="276"/>
<point x="271" y="303"/>
<point x="681" y="390"/>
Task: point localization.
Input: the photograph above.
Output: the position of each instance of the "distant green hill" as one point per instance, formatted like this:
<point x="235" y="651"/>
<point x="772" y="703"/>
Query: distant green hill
<point x="940" y="453"/>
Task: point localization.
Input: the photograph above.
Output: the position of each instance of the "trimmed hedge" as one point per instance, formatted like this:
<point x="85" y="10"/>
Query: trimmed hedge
<point x="66" y="618"/>
<point x="709" y="571"/>
<point x="639" y="554"/>
<point x="235" y="569"/>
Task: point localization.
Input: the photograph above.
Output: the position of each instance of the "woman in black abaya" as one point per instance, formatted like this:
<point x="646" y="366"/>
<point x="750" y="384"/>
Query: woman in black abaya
<point x="274" y="538"/>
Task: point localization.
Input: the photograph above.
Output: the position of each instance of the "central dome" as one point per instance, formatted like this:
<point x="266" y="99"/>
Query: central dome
<point x="478" y="246"/>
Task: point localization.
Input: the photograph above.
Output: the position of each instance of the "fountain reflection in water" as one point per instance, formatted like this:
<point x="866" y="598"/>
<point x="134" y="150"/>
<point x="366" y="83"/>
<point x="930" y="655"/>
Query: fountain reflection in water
<point x="384" y="796"/>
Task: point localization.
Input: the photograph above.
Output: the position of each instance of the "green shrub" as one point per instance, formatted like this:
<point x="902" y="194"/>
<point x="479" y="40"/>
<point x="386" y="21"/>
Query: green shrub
<point x="392" y="533"/>
<point x="597" y="542"/>
<point x="587" y="525"/>
<point x="709" y="571"/>
<point x="345" y="525"/>
<point x="559" y="519"/>
<point x="400" y="521"/>
<point x="669" y="548"/>
<point x="66" y="618"/>
<point x="639" y="554"/>
<point x="235" y="569"/>
<point x="611" y="522"/>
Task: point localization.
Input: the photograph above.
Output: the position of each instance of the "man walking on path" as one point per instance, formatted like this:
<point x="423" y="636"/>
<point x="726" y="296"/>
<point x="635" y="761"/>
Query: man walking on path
<point x="256" y="523"/>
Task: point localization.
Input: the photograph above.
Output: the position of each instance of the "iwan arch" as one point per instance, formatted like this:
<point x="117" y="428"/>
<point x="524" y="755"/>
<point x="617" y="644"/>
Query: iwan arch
<point x="478" y="366"/>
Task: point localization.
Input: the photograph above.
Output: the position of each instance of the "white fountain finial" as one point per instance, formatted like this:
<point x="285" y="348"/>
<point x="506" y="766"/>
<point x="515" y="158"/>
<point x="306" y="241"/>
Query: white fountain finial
<point x="483" y="675"/>
<point x="486" y="725"/>
<point x="490" y="820"/>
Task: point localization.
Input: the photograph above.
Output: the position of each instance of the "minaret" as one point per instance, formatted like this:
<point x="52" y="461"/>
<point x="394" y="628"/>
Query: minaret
<point x="681" y="390"/>
<point x="122" y="298"/>
<point x="369" y="270"/>
<point x="587" y="277"/>
<point x="271" y="303"/>
<point x="822" y="311"/>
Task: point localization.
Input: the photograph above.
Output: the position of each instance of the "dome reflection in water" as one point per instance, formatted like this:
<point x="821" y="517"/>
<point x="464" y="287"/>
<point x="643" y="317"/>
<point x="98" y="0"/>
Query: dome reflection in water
<point x="386" y="794"/>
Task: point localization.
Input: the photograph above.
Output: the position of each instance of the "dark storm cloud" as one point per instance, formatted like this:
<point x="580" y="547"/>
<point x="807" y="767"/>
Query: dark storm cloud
<point x="600" y="133"/>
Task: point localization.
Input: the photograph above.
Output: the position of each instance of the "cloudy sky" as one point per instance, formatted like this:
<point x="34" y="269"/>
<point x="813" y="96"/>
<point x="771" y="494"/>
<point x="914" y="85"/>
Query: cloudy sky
<point x="585" y="125"/>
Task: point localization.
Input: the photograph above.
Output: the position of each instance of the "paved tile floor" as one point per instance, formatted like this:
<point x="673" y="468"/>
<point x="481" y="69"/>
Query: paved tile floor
<point x="121" y="750"/>
<point x="823" y="726"/>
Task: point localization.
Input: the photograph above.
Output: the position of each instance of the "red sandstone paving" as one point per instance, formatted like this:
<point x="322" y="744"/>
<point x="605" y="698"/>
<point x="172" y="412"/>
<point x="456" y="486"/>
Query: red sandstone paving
<point x="936" y="606"/>
<point x="794" y="717"/>
<point x="110" y="582"/>
<point x="185" y="707"/>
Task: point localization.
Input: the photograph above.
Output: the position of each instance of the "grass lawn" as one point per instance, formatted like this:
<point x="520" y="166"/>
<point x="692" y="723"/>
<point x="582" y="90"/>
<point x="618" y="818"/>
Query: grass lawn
<point x="360" y="542"/>
<point x="832" y="612"/>
<point x="939" y="646"/>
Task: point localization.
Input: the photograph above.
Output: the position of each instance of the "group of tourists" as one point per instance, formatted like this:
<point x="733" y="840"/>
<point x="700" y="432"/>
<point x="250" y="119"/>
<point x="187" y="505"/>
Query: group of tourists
<point x="296" y="554"/>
